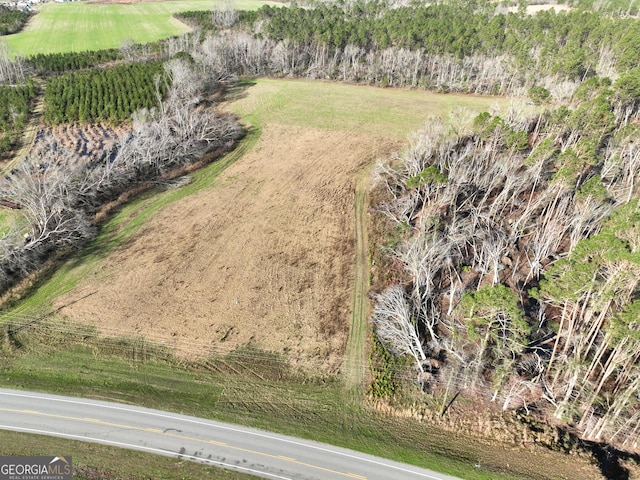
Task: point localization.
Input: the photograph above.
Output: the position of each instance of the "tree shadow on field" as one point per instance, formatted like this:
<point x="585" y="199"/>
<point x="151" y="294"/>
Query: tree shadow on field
<point x="611" y="461"/>
<point x="238" y="91"/>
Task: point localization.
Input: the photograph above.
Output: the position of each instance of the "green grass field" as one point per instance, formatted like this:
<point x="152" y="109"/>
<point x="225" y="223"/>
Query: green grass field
<point x="384" y="112"/>
<point x="79" y="26"/>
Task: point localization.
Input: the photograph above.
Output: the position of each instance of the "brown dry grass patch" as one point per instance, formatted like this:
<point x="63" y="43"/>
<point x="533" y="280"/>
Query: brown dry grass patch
<point x="265" y="257"/>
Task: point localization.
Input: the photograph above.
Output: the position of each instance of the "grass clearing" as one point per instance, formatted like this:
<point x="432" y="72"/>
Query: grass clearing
<point x="261" y="102"/>
<point x="356" y="355"/>
<point x="81" y="26"/>
<point x="382" y="112"/>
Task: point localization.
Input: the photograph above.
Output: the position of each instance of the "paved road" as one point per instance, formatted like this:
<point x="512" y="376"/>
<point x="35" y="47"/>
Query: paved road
<point x="257" y="452"/>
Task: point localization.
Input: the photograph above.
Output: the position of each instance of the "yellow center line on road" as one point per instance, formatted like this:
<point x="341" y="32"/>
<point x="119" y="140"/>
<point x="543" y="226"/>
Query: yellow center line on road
<point x="215" y="442"/>
<point x="355" y="475"/>
<point x="182" y="437"/>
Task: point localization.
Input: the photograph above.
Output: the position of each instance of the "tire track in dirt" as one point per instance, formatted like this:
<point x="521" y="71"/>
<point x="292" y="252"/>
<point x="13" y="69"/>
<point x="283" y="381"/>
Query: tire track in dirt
<point x="355" y="357"/>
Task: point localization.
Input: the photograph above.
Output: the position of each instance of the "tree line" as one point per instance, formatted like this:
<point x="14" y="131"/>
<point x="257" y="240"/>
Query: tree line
<point x="12" y="20"/>
<point x="574" y="43"/>
<point x="213" y="21"/>
<point x="468" y="47"/>
<point x="516" y="247"/>
<point x="49" y="63"/>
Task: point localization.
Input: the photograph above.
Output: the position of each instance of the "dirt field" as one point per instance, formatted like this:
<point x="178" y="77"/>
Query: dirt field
<point x="265" y="257"/>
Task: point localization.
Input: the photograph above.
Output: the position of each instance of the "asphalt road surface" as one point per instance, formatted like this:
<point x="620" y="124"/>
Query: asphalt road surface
<point x="260" y="453"/>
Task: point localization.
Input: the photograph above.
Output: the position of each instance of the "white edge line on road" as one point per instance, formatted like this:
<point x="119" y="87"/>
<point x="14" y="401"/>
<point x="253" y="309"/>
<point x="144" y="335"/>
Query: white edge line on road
<point x="184" y="418"/>
<point x="156" y="451"/>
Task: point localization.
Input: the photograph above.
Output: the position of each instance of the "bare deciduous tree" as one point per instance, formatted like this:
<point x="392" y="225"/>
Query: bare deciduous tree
<point x="225" y="14"/>
<point x="396" y="327"/>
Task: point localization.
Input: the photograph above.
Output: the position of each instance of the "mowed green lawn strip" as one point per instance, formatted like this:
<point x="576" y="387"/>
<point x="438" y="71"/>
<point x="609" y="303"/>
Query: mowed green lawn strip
<point x="79" y="26"/>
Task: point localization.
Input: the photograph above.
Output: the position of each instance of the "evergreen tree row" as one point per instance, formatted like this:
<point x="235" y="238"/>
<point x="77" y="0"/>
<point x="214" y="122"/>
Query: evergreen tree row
<point x="12" y="21"/>
<point x="62" y="62"/>
<point x="14" y="112"/>
<point x="104" y="95"/>
<point x="206" y="21"/>
<point x="201" y="19"/>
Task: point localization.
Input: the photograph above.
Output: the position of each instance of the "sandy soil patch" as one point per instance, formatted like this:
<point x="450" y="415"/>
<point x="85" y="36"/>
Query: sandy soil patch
<point x="265" y="257"/>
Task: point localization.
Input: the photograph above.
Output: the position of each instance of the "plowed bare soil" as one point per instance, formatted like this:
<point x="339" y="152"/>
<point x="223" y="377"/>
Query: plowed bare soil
<point x="264" y="258"/>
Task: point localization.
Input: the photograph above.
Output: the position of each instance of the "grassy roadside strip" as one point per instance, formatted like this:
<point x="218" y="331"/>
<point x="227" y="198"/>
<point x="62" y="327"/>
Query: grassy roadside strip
<point x="248" y="388"/>
<point x="92" y="461"/>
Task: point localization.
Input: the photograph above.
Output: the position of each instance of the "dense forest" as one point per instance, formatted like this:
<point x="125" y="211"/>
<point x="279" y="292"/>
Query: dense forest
<point x="476" y="47"/>
<point x="509" y="257"/>
<point x="513" y="265"/>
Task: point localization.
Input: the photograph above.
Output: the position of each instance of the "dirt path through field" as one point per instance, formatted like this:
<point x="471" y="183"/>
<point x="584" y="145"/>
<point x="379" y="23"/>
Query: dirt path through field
<point x="355" y="357"/>
<point x="265" y="257"/>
